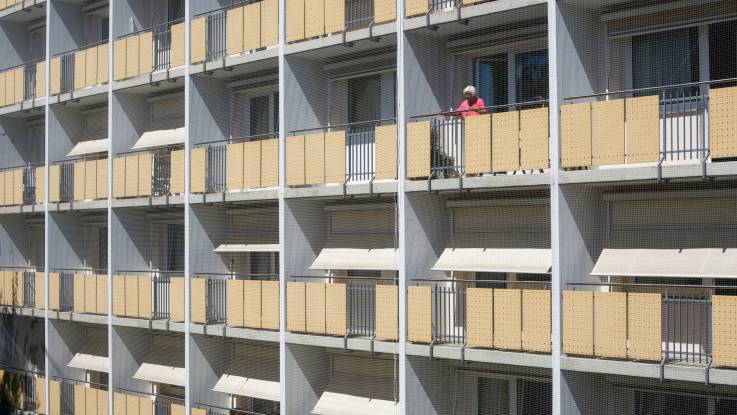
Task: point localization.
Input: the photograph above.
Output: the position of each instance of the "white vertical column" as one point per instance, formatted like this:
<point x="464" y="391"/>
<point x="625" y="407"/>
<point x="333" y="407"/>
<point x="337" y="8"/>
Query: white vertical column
<point x="187" y="213"/>
<point x="110" y="72"/>
<point x="282" y="206"/>
<point x="401" y="162"/>
<point x="47" y="83"/>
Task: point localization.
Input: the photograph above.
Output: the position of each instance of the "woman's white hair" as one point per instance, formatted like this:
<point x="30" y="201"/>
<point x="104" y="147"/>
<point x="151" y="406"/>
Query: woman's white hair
<point x="469" y="90"/>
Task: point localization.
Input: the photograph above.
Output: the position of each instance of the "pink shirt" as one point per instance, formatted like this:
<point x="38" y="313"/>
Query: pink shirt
<point x="466" y="110"/>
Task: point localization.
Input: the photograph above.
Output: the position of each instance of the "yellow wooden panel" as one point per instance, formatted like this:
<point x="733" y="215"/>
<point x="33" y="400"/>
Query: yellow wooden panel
<point x="39" y="291"/>
<point x="724" y="334"/>
<point x="534" y="144"/>
<point x="79" y="176"/>
<point x="119" y="186"/>
<point x="386" y="151"/>
<point x="336" y="305"/>
<point x="40" y="79"/>
<point x="295" y="20"/>
<point x="177" y="172"/>
<point x="80" y="407"/>
<point x="505" y="141"/>
<point x="252" y="304"/>
<point x="270" y="162"/>
<point x="252" y="26"/>
<point x="132" y="56"/>
<point x="119" y="293"/>
<point x="234" y="35"/>
<point x="610" y="328"/>
<point x="19" y="84"/>
<point x="146" y="56"/>
<point x="54" y="397"/>
<point x="78" y="303"/>
<point x="269" y="23"/>
<point x="334" y="16"/>
<point x="90" y="71"/>
<point x="119" y="404"/>
<point x="644" y="326"/>
<point x="131" y="296"/>
<point x="296" y="306"/>
<point x="198" y="172"/>
<point x="385" y="11"/>
<point x="177" y="45"/>
<point x="54" y="183"/>
<point x="418" y="149"/>
<point x="607" y="132"/>
<point x="477" y="144"/>
<point x="40" y="184"/>
<point x="54" y="291"/>
<point x="10" y="87"/>
<point x="119" y="56"/>
<point x="480" y="315"/>
<point x="41" y="395"/>
<point x="270" y="305"/>
<point x="102" y="402"/>
<point x="3" y="100"/>
<point x="643" y="129"/>
<point x="131" y="176"/>
<point x="18" y="288"/>
<point x="80" y="69"/>
<point x="102" y="305"/>
<point x="144" y="297"/>
<point x="90" y="294"/>
<point x="415" y="7"/>
<point x="335" y="148"/>
<point x="578" y="323"/>
<point x="103" y="63"/>
<point x="295" y="160"/>
<point x="177" y="409"/>
<point x="198" y="34"/>
<point x="198" y="300"/>
<point x="101" y="179"/>
<point x="536" y="323"/>
<point x="234" y="165"/>
<point x="387" y="312"/>
<point x="575" y="135"/>
<point x="252" y="164"/>
<point x="55" y="75"/>
<point x="723" y="122"/>
<point x="90" y="401"/>
<point x="145" y="170"/>
<point x="507" y="319"/>
<point x="419" y="313"/>
<point x="18" y="186"/>
<point x="315" y="307"/>
<point x="234" y="300"/>
<point x="90" y="179"/>
<point x="198" y="411"/>
<point x="132" y="405"/>
<point x="8" y="185"/>
<point x="176" y="299"/>
<point x="314" y="158"/>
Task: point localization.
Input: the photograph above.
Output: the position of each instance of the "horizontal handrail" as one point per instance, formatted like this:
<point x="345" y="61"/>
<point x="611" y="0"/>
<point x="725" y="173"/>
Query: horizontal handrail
<point x="79" y="269"/>
<point x="149" y="150"/>
<point x="30" y="62"/>
<point x="34" y="164"/>
<point x="653" y="88"/>
<point x="150" y="29"/>
<point x="235" y="274"/>
<point x="148" y="271"/>
<point x="230" y="410"/>
<point x="77" y="382"/>
<point x="88" y="46"/>
<point x="487" y="108"/>
<point x="500" y="282"/>
<point x="651" y="285"/>
<point x="27" y="268"/>
<point x="21" y="371"/>
<point x="228" y="7"/>
<point x="95" y="156"/>
<point x="357" y="277"/>
<point x="350" y="124"/>
<point x="255" y="137"/>
<point x="149" y="394"/>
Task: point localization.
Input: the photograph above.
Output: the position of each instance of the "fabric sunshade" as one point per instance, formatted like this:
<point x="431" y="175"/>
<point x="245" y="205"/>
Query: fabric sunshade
<point x="676" y="263"/>
<point x="161" y="374"/>
<point x="382" y="259"/>
<point x="89" y="147"/>
<point x="254" y="388"/>
<point x="331" y="403"/>
<point x="89" y="362"/>
<point x="519" y="260"/>
<point x="239" y="248"/>
<point x="160" y="138"/>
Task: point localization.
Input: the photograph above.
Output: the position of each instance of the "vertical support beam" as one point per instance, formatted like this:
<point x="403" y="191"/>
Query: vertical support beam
<point x="187" y="207"/>
<point x="282" y="205"/>
<point x="401" y="206"/>
<point x="110" y="77"/>
<point x="47" y="79"/>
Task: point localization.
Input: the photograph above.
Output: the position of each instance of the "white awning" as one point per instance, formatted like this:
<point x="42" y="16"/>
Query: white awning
<point x="676" y="263"/>
<point x="239" y="248"/>
<point x="89" y="362"/>
<point x="88" y="147"/>
<point x="340" y="404"/>
<point x="519" y="260"/>
<point x="382" y="259"/>
<point x="161" y="374"/>
<point x="254" y="388"/>
<point x="160" y="138"/>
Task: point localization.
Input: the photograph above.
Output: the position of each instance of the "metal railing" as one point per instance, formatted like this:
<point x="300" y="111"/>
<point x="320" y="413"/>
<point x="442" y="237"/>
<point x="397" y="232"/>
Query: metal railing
<point x="161" y="173"/>
<point x="30" y="78"/>
<point x="358" y="13"/>
<point x="215" y="299"/>
<point x="67" y="62"/>
<point x="67" y="398"/>
<point x="66" y="291"/>
<point x="162" y="297"/>
<point x="219" y="410"/>
<point x="66" y="181"/>
<point x="29" y="185"/>
<point x="29" y="289"/>
<point x="30" y="394"/>
<point x="216" y="24"/>
<point x="162" y="42"/>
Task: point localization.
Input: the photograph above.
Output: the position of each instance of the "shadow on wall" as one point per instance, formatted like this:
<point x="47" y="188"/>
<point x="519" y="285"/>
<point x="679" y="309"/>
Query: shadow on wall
<point x="16" y="337"/>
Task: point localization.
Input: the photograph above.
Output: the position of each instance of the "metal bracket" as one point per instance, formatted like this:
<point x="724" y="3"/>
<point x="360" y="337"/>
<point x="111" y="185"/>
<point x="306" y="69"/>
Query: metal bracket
<point x="345" y="342"/>
<point x="706" y="372"/>
<point x="459" y="19"/>
<point x="432" y="345"/>
<point x="371" y="344"/>
<point x="371" y="32"/>
<point x="429" y="26"/>
<point x="662" y="369"/>
<point x="703" y="165"/>
<point x="429" y="181"/>
<point x="345" y="42"/>
<point x="463" y="352"/>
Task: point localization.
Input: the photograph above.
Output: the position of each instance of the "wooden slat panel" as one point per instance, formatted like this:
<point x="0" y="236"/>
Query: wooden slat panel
<point x="40" y="291"/>
<point x="56" y="75"/>
<point x="644" y="325"/>
<point x="505" y="141"/>
<point x="119" y="292"/>
<point x="119" y="404"/>
<point x="480" y="315"/>
<point x="334" y="16"/>
<point x="176" y="312"/>
<point x="607" y="136"/>
<point x="177" y="172"/>
<point x="198" y="411"/>
<point x="103" y="63"/>
<point x="2" y="188"/>
<point x="335" y="148"/>
<point x="198" y="50"/>
<point x="119" y="56"/>
<point x="19" y="84"/>
<point x="198" y="173"/>
<point x="314" y="158"/>
<point x="40" y="79"/>
<point x="534" y="133"/>
<point x="90" y="71"/>
<point x="79" y="297"/>
<point x="18" y="288"/>
<point x="18" y="186"/>
<point x="102" y="402"/>
<point x="119" y="176"/>
<point x="724" y="334"/>
<point x="252" y="304"/>
<point x="335" y="309"/>
<point x="419" y="313"/>
<point x="722" y="122"/>
<point x="234" y="35"/>
<point x="8" y="188"/>
<point x="90" y="179"/>
<point x="90" y="401"/>
<point x="252" y="26"/>
<point x="177" y="409"/>
<point x="610" y="328"/>
<point x="387" y="312"/>
<point x="90" y="294"/>
<point x="54" y="183"/>
<point x="315" y="307"/>
<point x="145" y="170"/>
<point x="578" y="323"/>
<point x="101" y="179"/>
<point x="270" y="305"/>
<point x="234" y="309"/>
<point x="146" y="56"/>
<point x="386" y="151"/>
<point x="296" y="306"/>
<point x="295" y="160"/>
<point x="252" y="164"/>
<point x="79" y="400"/>
<point x="270" y="162"/>
<point x="575" y="135"/>
<point x="643" y="129"/>
<point x="3" y="100"/>
<point x="385" y="11"/>
<point x="41" y="395"/>
<point x="295" y="20"/>
<point x="79" y="177"/>
<point x="418" y="149"/>
<point x="54" y="291"/>
<point x="507" y="319"/>
<point x="234" y="166"/>
<point x="40" y="184"/>
<point x="102" y="305"/>
<point x="10" y="87"/>
<point x="415" y="7"/>
<point x="131" y="296"/>
<point x="536" y="327"/>
<point x="132" y="57"/>
<point x="477" y="144"/>
<point x="132" y="405"/>
<point x="131" y="176"/>
<point x="198" y="302"/>
<point x="177" y="45"/>
<point x="54" y="397"/>
<point x="269" y="23"/>
<point x="144" y="297"/>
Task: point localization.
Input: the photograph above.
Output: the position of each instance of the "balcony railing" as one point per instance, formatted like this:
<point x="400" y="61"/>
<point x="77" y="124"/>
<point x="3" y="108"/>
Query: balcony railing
<point x="238" y="300"/>
<point x="163" y="38"/>
<point x="155" y="404"/>
<point x="209" y="299"/>
<point x="21" y="83"/>
<point x="306" y="21"/>
<point x="64" y="392"/>
<point x="150" y="295"/>
<point x="79" y="68"/>
<point x="159" y="48"/>
<point x="358" y="13"/>
<point x="143" y="174"/>
<point x="20" y="185"/>
<point x="20" y="388"/>
<point x="418" y="7"/>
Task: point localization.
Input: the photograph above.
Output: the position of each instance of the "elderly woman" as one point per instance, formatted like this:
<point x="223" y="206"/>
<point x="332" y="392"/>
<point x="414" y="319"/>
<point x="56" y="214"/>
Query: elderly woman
<point x="472" y="104"/>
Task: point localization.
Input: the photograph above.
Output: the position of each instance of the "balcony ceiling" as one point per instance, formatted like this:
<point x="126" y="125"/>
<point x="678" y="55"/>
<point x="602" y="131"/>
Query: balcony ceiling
<point x="28" y="14"/>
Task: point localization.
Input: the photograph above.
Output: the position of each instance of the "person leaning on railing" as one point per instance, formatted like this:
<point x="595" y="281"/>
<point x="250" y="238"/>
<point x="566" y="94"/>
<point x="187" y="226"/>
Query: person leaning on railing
<point x="471" y="105"/>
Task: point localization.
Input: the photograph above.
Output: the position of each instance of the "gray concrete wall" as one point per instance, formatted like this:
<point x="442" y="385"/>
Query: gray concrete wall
<point x="66" y="128"/>
<point x="67" y="338"/>
<point x="210" y="109"/>
<point x="130" y="235"/>
<point x="427" y="84"/>
<point x="305" y="227"/>
<point x="208" y="229"/>
<point x="19" y="244"/>
<point x="306" y="93"/>
<point x="14" y="44"/>
<point x="19" y="145"/>
<point x="131" y="115"/>
<point x="67" y="27"/>
<point x="22" y="345"/>
<point x="307" y="372"/>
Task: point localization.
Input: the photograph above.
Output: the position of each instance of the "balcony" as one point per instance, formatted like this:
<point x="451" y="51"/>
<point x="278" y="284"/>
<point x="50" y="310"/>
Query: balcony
<point x="22" y="287"/>
<point x="22" y="83"/>
<point x="505" y="140"/>
<point x="6" y="4"/>
<point x="160" y="48"/>
<point x="420" y="7"/>
<point x="670" y="125"/>
<point x="157" y="295"/>
<point x="133" y="403"/>
<point x="20" y="185"/>
<point x="78" y="180"/>
<point x="22" y="390"/>
<point x="341" y="154"/>
<point x="79" y="69"/>
<point x="68" y="396"/>
<point x="307" y="19"/>
<point x="150" y="173"/>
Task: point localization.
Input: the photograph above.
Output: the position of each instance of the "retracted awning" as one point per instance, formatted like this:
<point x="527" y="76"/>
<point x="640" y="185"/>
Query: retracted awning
<point x="382" y="259"/>
<point x="519" y="260"/>
<point x="89" y="147"/>
<point x="160" y="138"/>
<point x="241" y="248"/>
<point x="331" y="403"/>
<point x="675" y="263"/>
<point x="89" y="362"/>
<point x="242" y="386"/>
<point x="161" y="374"/>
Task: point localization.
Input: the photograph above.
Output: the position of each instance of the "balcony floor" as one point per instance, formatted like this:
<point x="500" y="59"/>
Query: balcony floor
<point x="453" y="352"/>
<point x="354" y="343"/>
<point x="647" y="172"/>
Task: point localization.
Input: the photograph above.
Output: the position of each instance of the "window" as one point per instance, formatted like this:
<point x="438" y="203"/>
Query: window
<point x="723" y="51"/>
<point x="364" y="98"/>
<point x="492" y="79"/>
<point x="264" y="263"/>
<point x="104" y="29"/>
<point x="653" y="403"/>
<point x="259" y="115"/>
<point x="493" y="396"/>
<point x="175" y="10"/>
<point x="531" y="75"/>
<point x="174" y="247"/>
<point x="534" y="398"/>
<point x="38" y="44"/>
<point x="102" y="243"/>
<point x="665" y="58"/>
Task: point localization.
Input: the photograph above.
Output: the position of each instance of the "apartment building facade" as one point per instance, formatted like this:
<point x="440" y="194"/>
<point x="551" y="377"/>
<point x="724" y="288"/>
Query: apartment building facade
<point x="272" y="207"/>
